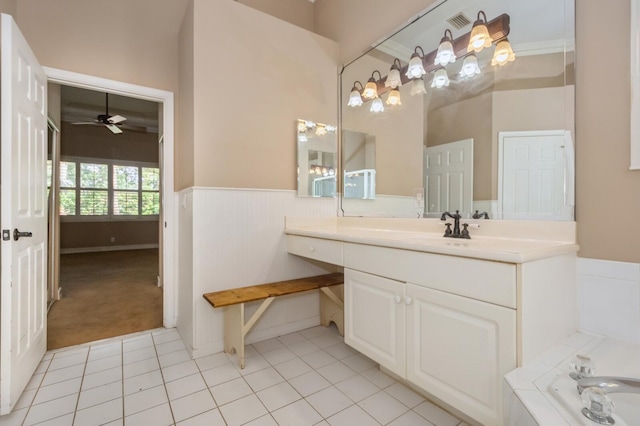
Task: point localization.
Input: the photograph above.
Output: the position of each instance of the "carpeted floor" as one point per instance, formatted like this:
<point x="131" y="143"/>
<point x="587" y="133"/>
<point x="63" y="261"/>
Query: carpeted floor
<point x="105" y="295"/>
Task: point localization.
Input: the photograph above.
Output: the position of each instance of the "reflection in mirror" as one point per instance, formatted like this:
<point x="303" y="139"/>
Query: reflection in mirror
<point x="317" y="159"/>
<point x="359" y="150"/>
<point x="486" y="129"/>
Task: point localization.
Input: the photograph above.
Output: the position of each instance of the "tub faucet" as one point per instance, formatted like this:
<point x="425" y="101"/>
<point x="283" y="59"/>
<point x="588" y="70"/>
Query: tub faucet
<point x="456" y="233"/>
<point x="610" y="384"/>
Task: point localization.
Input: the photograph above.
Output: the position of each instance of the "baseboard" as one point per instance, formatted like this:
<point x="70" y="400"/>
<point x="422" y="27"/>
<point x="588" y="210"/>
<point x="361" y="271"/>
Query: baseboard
<point x="107" y="248"/>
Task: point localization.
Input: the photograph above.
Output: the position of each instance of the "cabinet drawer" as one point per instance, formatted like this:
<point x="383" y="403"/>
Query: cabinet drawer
<point x="329" y="251"/>
<point x="484" y="280"/>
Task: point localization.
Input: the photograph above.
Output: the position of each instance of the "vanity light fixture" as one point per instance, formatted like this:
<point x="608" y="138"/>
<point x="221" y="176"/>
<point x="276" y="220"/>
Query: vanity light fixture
<point x="470" y="66"/>
<point x="445" y="54"/>
<point x="479" y="38"/>
<point x="415" y="69"/>
<point x="302" y="127"/>
<point x="394" y="98"/>
<point x="503" y="53"/>
<point x="440" y="79"/>
<point x="371" y="88"/>
<point x="417" y="87"/>
<point x="393" y="79"/>
<point x="376" y="105"/>
<point x="355" y="99"/>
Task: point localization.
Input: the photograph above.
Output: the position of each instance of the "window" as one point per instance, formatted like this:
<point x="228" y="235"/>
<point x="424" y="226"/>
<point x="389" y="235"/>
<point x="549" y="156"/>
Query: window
<point x="109" y="191"/>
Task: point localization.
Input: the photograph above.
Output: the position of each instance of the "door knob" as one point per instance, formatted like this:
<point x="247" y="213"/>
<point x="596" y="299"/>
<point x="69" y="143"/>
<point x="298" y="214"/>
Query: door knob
<point x="17" y="234"/>
<point x="407" y="300"/>
<point x="396" y="299"/>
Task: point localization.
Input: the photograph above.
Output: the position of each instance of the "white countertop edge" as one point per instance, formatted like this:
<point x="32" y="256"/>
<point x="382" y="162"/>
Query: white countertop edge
<point x="551" y="248"/>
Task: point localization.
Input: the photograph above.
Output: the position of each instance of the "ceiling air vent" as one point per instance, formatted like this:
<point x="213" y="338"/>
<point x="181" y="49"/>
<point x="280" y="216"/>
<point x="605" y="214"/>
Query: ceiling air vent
<point x="459" y="21"/>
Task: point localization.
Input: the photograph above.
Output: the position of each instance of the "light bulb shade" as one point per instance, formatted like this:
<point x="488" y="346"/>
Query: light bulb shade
<point x="503" y="54"/>
<point x="417" y="87"/>
<point x="355" y="100"/>
<point x="415" y="68"/>
<point x="445" y="54"/>
<point x="394" y="98"/>
<point x="440" y="79"/>
<point x="370" y="89"/>
<point x="479" y="37"/>
<point x="470" y="66"/>
<point x="302" y="127"/>
<point x="393" y="79"/>
<point x="376" y="105"/>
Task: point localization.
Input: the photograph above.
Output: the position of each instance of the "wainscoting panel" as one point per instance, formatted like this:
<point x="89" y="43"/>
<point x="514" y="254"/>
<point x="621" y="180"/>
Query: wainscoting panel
<point x="238" y="240"/>
<point x="609" y="298"/>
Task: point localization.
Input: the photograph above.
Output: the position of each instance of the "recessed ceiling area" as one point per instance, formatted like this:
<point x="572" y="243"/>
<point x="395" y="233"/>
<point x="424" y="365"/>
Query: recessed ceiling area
<point x="80" y="105"/>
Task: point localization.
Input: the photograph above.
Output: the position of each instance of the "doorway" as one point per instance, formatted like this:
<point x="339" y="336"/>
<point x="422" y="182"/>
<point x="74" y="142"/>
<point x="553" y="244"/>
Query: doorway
<point x="164" y="139"/>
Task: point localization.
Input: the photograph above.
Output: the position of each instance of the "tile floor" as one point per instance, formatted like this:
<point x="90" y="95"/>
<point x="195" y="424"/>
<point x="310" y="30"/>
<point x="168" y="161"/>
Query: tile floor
<point x="304" y="378"/>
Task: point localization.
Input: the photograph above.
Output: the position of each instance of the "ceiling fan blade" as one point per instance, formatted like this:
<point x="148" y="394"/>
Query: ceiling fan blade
<point x="86" y="123"/>
<point x="116" y="119"/>
<point x="115" y="129"/>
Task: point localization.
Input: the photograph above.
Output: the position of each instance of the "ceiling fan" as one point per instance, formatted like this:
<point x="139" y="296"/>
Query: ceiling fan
<point x="111" y="122"/>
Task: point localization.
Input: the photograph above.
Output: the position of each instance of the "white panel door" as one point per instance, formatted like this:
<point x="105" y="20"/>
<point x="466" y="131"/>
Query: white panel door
<point x="532" y="175"/>
<point x="458" y="349"/>
<point x="23" y="161"/>
<point x="374" y="310"/>
<point x="448" y="177"/>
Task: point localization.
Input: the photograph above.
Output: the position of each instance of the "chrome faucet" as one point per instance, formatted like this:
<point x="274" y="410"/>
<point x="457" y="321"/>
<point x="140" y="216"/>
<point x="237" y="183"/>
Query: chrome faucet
<point x="610" y="384"/>
<point x="455" y="233"/>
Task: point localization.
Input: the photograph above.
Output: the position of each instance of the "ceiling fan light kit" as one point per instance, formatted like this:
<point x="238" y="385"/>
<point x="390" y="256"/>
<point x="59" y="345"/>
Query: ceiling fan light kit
<point x="109" y="121"/>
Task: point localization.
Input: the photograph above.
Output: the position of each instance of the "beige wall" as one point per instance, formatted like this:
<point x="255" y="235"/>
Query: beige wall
<point x="296" y="12"/>
<point x="184" y="155"/>
<point x="131" y="41"/>
<point x="254" y="76"/>
<point x="607" y="193"/>
<point x="9" y="7"/>
<point x="99" y="234"/>
<point x="357" y="24"/>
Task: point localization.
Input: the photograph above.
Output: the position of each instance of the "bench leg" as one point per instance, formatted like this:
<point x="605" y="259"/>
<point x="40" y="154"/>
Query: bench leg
<point x="234" y="331"/>
<point x="235" y="328"/>
<point x="332" y="307"/>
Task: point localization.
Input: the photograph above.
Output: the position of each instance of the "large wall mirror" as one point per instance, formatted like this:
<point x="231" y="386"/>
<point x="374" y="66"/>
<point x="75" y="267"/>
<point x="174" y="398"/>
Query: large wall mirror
<point x="490" y="132"/>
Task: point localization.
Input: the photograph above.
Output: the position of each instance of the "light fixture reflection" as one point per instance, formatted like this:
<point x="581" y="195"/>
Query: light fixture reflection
<point x="479" y="38"/>
<point x="371" y="88"/>
<point x="377" y="106"/>
<point x="321" y="130"/>
<point x="355" y="100"/>
<point x="302" y="127"/>
<point x="417" y="87"/>
<point x="415" y="68"/>
<point x="503" y="53"/>
<point x="393" y="79"/>
<point x="470" y="66"/>
<point x="445" y="54"/>
<point x="394" y="98"/>
<point x="440" y="79"/>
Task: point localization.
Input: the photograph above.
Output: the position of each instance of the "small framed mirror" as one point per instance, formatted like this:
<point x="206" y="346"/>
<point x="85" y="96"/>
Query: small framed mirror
<point x="317" y="158"/>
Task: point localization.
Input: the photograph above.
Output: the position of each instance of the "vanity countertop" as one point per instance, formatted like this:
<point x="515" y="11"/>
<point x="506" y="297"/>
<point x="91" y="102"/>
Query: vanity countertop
<point x="502" y="241"/>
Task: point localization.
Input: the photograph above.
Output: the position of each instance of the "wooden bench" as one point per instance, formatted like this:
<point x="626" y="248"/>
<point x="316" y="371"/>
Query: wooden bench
<point x="235" y="328"/>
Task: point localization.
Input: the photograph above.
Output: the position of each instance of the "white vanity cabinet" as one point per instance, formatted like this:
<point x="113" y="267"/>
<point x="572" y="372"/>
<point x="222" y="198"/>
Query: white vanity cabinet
<point x="375" y="318"/>
<point x="458" y="349"/>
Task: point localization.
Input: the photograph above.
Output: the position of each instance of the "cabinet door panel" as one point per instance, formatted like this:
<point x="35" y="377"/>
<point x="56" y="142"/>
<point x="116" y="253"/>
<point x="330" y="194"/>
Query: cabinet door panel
<point x="459" y="349"/>
<point x="375" y="318"/>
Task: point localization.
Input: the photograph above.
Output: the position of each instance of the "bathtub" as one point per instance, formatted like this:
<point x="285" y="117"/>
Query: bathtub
<point x="542" y="393"/>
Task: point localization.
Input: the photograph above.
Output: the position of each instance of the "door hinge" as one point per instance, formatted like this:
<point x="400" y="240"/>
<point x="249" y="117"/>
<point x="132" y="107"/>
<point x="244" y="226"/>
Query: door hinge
<point x="6" y="235"/>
